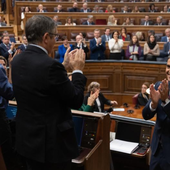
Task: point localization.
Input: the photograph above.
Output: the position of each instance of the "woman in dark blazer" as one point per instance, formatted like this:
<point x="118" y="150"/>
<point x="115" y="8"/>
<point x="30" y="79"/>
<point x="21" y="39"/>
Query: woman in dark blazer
<point x="143" y="97"/>
<point x="100" y="101"/>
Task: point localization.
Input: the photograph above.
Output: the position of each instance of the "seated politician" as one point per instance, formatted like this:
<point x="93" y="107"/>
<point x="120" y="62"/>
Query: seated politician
<point x="97" y="46"/>
<point x="63" y="48"/>
<point x="100" y="101"/>
<point x="143" y="97"/>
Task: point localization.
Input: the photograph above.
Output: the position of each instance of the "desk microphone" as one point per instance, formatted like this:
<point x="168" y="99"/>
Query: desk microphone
<point x="125" y="105"/>
<point x="137" y="106"/>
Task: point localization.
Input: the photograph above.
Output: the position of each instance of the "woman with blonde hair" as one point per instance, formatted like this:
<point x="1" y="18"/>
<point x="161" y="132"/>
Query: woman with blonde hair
<point x="101" y="100"/>
<point x="109" y="9"/>
<point x="112" y="21"/>
<point x="69" y="22"/>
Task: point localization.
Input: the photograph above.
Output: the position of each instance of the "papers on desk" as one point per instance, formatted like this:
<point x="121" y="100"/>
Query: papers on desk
<point x="123" y="146"/>
<point x="119" y="109"/>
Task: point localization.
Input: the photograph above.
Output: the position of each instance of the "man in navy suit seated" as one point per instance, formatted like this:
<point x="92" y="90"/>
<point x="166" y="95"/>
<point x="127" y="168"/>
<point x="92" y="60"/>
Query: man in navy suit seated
<point x="59" y="9"/>
<point x="166" y="38"/>
<point x="11" y="39"/>
<point x="166" y="50"/>
<point x="41" y="8"/>
<point x="97" y="46"/>
<point x="159" y="105"/>
<point x="75" y="8"/>
<point x="85" y="9"/>
<point x="24" y="44"/>
<point x="89" y="21"/>
<point x="6" y="48"/>
<point x="107" y="35"/>
<point x="159" y="21"/>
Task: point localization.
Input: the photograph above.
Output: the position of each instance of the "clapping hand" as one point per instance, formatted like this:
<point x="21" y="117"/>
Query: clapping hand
<point x="163" y="90"/>
<point x="155" y="96"/>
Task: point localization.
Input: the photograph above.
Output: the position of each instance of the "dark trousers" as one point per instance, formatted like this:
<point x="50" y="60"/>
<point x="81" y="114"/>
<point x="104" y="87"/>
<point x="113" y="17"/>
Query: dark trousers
<point x="158" y="161"/>
<point x="115" y="56"/>
<point x="34" y="165"/>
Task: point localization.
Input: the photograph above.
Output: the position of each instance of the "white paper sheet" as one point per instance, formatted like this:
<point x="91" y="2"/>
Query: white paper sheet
<point x="123" y="146"/>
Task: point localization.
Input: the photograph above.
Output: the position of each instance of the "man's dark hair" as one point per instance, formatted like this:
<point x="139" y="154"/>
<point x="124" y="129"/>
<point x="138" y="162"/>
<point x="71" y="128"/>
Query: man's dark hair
<point x="37" y="26"/>
<point x="151" y="32"/>
<point x="3" y="58"/>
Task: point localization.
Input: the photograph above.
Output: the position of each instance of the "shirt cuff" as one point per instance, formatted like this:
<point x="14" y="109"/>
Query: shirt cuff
<point x="77" y="71"/>
<point x="151" y="107"/>
<point x="10" y="51"/>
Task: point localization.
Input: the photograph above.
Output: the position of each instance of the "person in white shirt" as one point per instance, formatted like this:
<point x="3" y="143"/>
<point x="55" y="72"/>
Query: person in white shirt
<point x="115" y="46"/>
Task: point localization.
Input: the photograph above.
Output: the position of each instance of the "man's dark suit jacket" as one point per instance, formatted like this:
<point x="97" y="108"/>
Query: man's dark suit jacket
<point x="86" y="49"/>
<point x="59" y="10"/>
<point x="97" y="52"/>
<point x="161" y="23"/>
<point x="102" y="99"/>
<point x="22" y="47"/>
<point x="150" y="22"/>
<point x="74" y="10"/>
<point x="104" y="37"/>
<point x="162" y="128"/>
<point x="82" y="10"/>
<point x="44" y="94"/>
<point x="86" y="23"/>
<point x="164" y="39"/>
<point x="4" y="50"/>
<point x="166" y="48"/>
<point x="3" y="24"/>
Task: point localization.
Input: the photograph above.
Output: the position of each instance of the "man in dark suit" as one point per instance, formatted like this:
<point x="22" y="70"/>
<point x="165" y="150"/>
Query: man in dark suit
<point x="44" y="128"/>
<point x="6" y="48"/>
<point x="11" y="38"/>
<point x="85" y="9"/>
<point x="75" y="8"/>
<point x="24" y="44"/>
<point x="97" y="47"/>
<point x="81" y="44"/>
<point x="59" y="9"/>
<point x="89" y="21"/>
<point x="159" y="104"/>
<point x="166" y="49"/>
<point x="166" y="38"/>
<point x="107" y="35"/>
<point x="1" y="22"/>
<point x="55" y="19"/>
<point x="146" y="21"/>
<point x="159" y="21"/>
<point x="41" y="8"/>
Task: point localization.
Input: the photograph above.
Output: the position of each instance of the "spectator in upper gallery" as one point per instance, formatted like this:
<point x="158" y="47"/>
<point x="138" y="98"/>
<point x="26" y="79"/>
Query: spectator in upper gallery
<point x="86" y="1"/>
<point x="112" y="21"/>
<point x="41" y="8"/>
<point x="75" y="8"/>
<point x="123" y="34"/>
<point x="109" y="9"/>
<point x="127" y="21"/>
<point x="152" y="8"/>
<point x="25" y="10"/>
<point x="143" y="97"/>
<point x="125" y="9"/>
<point x="55" y="19"/>
<point x="69" y="22"/>
<point x="85" y="8"/>
<point x="140" y="36"/>
<point x="1" y="22"/>
<point x="135" y="9"/>
<point x="165" y="9"/>
<point x="166" y="38"/>
<point x="24" y="44"/>
<point x="89" y="21"/>
<point x="7" y="48"/>
<point x="63" y="48"/>
<point x="11" y="39"/>
<point x="99" y="0"/>
<point x="115" y="46"/>
<point x="159" y="21"/>
<point x="107" y="36"/>
<point x="151" y="49"/>
<point x="146" y="21"/>
<point x="133" y="51"/>
<point x="81" y="44"/>
<point x="97" y="46"/>
<point x="97" y="9"/>
<point x="59" y="9"/>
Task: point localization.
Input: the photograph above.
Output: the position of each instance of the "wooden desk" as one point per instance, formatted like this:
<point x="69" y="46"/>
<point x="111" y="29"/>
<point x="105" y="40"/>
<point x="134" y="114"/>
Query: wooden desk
<point x="136" y="114"/>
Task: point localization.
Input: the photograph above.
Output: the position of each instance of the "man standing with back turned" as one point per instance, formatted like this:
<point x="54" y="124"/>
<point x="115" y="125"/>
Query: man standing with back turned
<point x="44" y="128"/>
<point x="159" y="104"/>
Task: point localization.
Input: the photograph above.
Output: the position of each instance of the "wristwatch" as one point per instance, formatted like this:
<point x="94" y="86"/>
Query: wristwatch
<point x="166" y="101"/>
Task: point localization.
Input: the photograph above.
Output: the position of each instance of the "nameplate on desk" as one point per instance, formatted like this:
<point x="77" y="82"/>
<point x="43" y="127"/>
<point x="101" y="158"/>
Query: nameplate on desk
<point x="119" y="109"/>
<point x="123" y="146"/>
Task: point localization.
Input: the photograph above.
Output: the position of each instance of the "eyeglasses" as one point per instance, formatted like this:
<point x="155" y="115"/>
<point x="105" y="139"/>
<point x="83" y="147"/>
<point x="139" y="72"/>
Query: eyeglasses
<point x="56" y="35"/>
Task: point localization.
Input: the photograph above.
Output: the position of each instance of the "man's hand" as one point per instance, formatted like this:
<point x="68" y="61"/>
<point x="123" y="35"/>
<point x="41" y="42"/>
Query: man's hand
<point x="12" y="46"/>
<point x="155" y="96"/>
<point x="77" y="59"/>
<point x="99" y="40"/>
<point x="164" y="90"/>
<point x="66" y="59"/>
<point x="114" y="103"/>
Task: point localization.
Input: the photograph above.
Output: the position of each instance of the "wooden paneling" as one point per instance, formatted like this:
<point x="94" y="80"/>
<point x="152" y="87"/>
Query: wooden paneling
<point x="10" y="29"/>
<point x="119" y="85"/>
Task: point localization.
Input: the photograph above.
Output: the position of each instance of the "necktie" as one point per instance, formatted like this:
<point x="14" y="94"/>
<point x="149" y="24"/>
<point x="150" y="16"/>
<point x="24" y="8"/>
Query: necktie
<point x="7" y="46"/>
